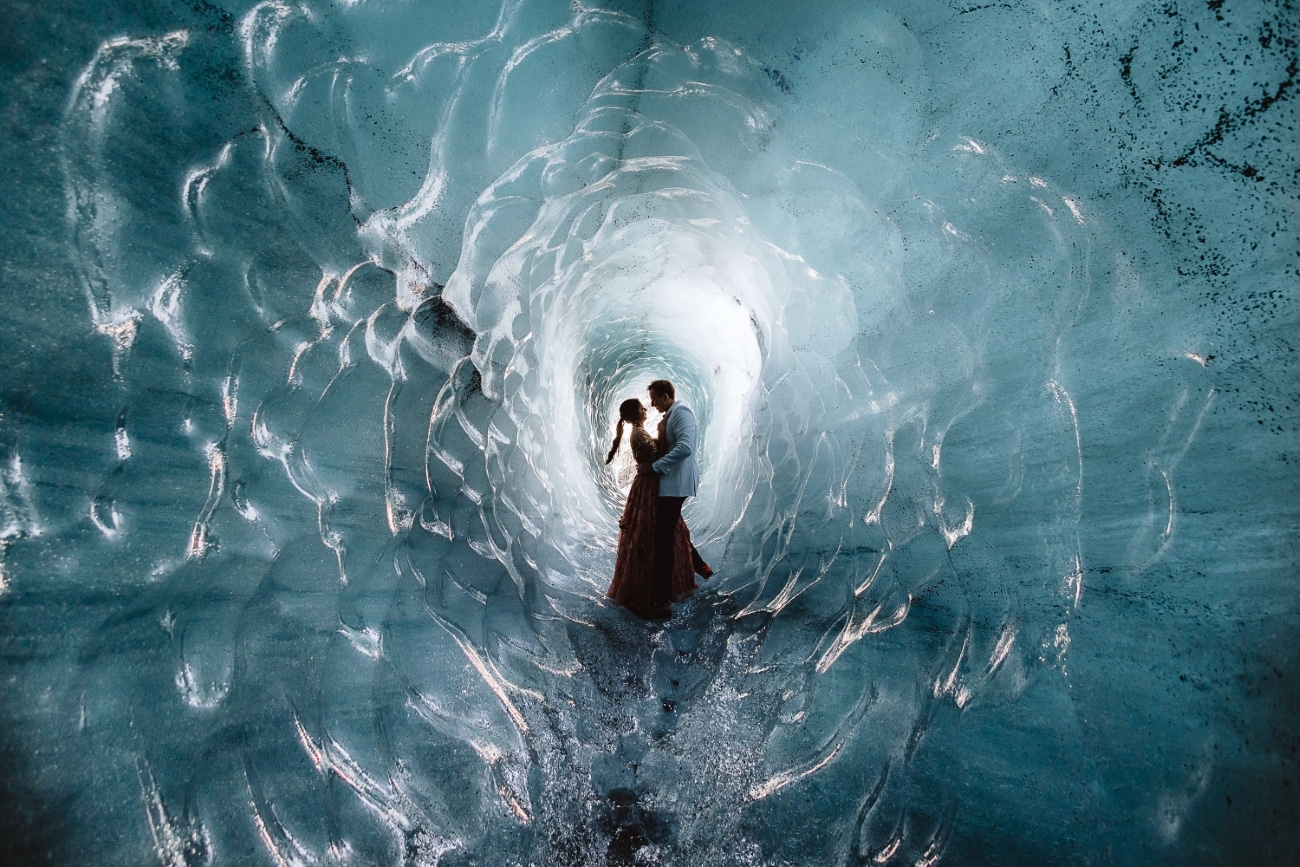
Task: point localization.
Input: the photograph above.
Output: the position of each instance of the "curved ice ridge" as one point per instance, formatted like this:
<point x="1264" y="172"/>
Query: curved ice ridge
<point x="397" y="444"/>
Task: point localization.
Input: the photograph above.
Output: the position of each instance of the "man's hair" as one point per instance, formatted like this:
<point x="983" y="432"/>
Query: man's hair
<point x="662" y="386"/>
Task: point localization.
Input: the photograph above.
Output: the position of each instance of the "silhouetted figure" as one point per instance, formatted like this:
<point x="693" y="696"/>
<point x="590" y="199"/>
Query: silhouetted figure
<point x="633" y="584"/>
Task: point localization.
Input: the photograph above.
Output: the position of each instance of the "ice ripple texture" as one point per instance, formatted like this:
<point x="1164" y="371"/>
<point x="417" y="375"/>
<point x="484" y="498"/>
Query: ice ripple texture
<point x="372" y="318"/>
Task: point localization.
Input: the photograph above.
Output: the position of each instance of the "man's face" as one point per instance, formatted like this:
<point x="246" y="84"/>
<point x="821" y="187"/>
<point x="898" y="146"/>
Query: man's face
<point x="659" y="401"/>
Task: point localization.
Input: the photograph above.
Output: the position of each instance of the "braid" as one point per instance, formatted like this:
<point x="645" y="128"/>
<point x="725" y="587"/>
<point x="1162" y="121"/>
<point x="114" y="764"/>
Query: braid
<point x="618" y="438"/>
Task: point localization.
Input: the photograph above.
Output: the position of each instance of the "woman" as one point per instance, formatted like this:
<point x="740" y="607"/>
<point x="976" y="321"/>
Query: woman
<point x="636" y="544"/>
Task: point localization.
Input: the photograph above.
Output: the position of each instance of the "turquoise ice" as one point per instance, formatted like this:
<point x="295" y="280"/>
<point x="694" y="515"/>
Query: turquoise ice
<point x="317" y="318"/>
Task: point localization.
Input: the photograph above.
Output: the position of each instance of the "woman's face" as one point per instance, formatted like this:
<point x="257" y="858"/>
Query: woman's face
<point x="636" y="416"/>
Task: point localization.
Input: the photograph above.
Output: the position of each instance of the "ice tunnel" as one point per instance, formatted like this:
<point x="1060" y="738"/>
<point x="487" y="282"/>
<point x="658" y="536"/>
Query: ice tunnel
<point x="317" y="318"/>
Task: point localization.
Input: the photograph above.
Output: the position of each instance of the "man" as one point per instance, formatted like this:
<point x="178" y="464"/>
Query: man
<point x="679" y="476"/>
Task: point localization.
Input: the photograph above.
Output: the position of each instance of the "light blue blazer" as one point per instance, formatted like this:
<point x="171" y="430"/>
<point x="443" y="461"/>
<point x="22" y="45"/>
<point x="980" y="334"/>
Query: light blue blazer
<point x="679" y="473"/>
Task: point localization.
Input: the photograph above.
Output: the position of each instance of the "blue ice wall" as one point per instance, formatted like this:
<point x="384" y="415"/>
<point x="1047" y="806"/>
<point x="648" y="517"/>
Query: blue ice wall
<point x="316" y="320"/>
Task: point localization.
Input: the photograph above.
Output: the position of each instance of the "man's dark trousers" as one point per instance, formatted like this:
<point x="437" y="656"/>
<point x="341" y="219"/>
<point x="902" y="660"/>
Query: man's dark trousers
<point x="668" y="511"/>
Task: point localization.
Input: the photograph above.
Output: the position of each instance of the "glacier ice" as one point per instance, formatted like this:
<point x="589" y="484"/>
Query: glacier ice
<point x="318" y="316"/>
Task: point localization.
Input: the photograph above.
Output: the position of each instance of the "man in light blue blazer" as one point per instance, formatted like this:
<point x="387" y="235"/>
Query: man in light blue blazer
<point x="679" y="477"/>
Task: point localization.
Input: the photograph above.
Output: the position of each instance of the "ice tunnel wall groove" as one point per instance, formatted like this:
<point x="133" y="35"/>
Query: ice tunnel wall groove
<point x="366" y="302"/>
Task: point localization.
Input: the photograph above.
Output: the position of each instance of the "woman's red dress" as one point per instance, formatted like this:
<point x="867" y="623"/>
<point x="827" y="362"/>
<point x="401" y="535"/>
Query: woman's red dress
<point x="636" y="539"/>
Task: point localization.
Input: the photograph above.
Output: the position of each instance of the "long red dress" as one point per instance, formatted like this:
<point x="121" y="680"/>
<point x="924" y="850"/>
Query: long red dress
<point x="636" y="539"/>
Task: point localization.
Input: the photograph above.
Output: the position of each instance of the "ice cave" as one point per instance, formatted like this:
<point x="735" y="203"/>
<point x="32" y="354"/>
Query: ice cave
<point x="317" y="316"/>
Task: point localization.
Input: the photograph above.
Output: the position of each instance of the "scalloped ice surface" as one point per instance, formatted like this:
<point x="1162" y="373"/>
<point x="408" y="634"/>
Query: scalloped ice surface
<point x="320" y="315"/>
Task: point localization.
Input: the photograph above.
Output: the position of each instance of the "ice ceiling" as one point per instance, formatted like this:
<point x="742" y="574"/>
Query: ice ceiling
<point x="320" y="314"/>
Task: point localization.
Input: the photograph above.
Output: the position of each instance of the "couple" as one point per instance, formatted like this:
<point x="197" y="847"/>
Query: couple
<point x="656" y="560"/>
